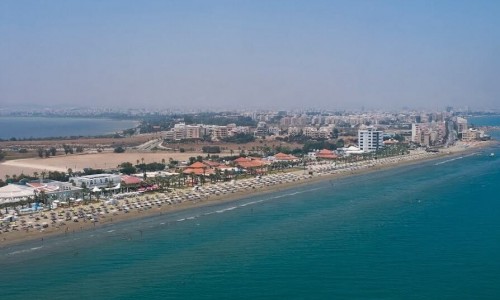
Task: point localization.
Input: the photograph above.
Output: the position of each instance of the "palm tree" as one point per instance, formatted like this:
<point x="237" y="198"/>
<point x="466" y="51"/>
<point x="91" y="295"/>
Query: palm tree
<point x="43" y="173"/>
<point x="85" y="191"/>
<point x="218" y="174"/>
<point x="43" y="197"/>
<point x="193" y="176"/>
<point x="179" y="178"/>
<point x="183" y="176"/>
<point x="29" y="201"/>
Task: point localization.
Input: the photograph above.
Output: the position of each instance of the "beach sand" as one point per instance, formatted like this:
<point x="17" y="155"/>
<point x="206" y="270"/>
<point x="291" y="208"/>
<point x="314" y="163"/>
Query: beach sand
<point x="321" y="172"/>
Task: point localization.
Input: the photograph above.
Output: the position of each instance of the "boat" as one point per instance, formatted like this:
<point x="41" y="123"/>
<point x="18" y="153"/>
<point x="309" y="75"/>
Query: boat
<point x="492" y="154"/>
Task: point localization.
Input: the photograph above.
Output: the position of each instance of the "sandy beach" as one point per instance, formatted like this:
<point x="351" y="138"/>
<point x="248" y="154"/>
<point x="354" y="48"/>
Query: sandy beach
<point x="83" y="217"/>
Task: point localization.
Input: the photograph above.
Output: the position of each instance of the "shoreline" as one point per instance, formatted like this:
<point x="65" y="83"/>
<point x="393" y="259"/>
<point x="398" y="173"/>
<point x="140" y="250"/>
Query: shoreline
<point x="254" y="187"/>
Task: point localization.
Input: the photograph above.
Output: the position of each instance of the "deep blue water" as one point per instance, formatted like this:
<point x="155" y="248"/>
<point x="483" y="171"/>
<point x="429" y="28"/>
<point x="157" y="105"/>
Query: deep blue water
<point x="485" y="121"/>
<point x="39" y="127"/>
<point x="424" y="231"/>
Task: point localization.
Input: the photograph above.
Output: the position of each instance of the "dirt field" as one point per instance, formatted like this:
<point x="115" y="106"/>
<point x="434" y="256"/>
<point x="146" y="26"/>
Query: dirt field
<point x="79" y="161"/>
<point x="27" y="163"/>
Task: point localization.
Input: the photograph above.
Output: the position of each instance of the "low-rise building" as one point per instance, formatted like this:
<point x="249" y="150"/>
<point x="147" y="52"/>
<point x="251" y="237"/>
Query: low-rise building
<point x="97" y="180"/>
<point x="294" y="130"/>
<point x="471" y="135"/>
<point x="261" y="129"/>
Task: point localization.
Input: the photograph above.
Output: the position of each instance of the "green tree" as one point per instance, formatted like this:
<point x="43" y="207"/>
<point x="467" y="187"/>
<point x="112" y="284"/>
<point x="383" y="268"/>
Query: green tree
<point x="66" y="149"/>
<point x="119" y="149"/>
<point x="53" y="151"/>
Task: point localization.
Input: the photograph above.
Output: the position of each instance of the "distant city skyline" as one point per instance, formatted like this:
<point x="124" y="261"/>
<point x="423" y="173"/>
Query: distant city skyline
<point x="250" y="54"/>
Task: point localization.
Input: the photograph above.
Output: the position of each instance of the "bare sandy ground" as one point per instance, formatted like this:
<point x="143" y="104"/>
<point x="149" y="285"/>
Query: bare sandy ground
<point x="79" y="161"/>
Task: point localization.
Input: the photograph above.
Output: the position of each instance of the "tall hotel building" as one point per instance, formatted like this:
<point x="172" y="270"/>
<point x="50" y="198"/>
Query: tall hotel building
<point x="370" y="140"/>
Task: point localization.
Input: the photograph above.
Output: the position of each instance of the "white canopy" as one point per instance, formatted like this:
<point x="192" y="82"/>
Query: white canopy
<point x="116" y="187"/>
<point x="15" y="193"/>
<point x="96" y="189"/>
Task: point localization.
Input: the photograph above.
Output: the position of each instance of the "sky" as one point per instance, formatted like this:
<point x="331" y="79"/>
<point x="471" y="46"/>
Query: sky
<point x="269" y="54"/>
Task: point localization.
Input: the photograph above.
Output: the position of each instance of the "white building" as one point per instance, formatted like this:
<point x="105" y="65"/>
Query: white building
<point x="462" y="125"/>
<point x="370" y="140"/>
<point x="192" y="132"/>
<point x="471" y="135"/>
<point x="310" y="132"/>
<point x="98" y="180"/>
<point x="261" y="129"/>
<point x="218" y="132"/>
<point x="294" y="130"/>
<point x="416" y="132"/>
<point x="274" y="130"/>
<point x="428" y="134"/>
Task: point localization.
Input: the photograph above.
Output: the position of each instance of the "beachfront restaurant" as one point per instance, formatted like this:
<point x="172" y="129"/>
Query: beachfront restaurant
<point x="48" y="191"/>
<point x="14" y="193"/>
<point x="97" y="180"/>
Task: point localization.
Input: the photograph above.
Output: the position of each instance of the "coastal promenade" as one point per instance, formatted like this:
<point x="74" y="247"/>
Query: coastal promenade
<point x="69" y="220"/>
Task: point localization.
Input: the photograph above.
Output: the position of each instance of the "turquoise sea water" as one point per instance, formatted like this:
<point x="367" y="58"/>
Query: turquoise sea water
<point x="424" y="231"/>
<point x="38" y="127"/>
<point x="485" y="121"/>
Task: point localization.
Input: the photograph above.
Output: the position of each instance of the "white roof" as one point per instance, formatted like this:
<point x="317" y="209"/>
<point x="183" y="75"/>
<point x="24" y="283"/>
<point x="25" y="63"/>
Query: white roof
<point x="14" y="192"/>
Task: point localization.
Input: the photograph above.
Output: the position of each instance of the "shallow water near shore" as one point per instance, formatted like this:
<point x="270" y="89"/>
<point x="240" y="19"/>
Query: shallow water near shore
<point x="415" y="232"/>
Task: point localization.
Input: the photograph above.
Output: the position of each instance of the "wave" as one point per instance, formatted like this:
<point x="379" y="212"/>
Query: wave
<point x="25" y="250"/>
<point x="453" y="159"/>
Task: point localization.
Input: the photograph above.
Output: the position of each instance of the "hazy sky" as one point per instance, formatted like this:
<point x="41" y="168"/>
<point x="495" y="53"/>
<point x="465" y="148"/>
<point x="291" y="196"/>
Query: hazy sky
<point x="256" y="54"/>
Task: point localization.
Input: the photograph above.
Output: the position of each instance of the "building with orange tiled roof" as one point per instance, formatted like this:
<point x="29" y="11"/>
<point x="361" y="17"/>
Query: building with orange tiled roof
<point x="212" y="164"/>
<point x="326" y="154"/>
<point x="241" y="159"/>
<point x="201" y="168"/>
<point x="284" y="157"/>
<point x="198" y="171"/>
<point x="252" y="166"/>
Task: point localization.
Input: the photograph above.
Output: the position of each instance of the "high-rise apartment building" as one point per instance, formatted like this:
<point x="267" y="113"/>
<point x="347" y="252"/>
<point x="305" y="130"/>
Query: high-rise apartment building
<point x="370" y="140"/>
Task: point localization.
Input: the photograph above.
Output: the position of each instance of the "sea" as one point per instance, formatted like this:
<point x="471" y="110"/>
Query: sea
<point x="429" y="230"/>
<point x="43" y="127"/>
